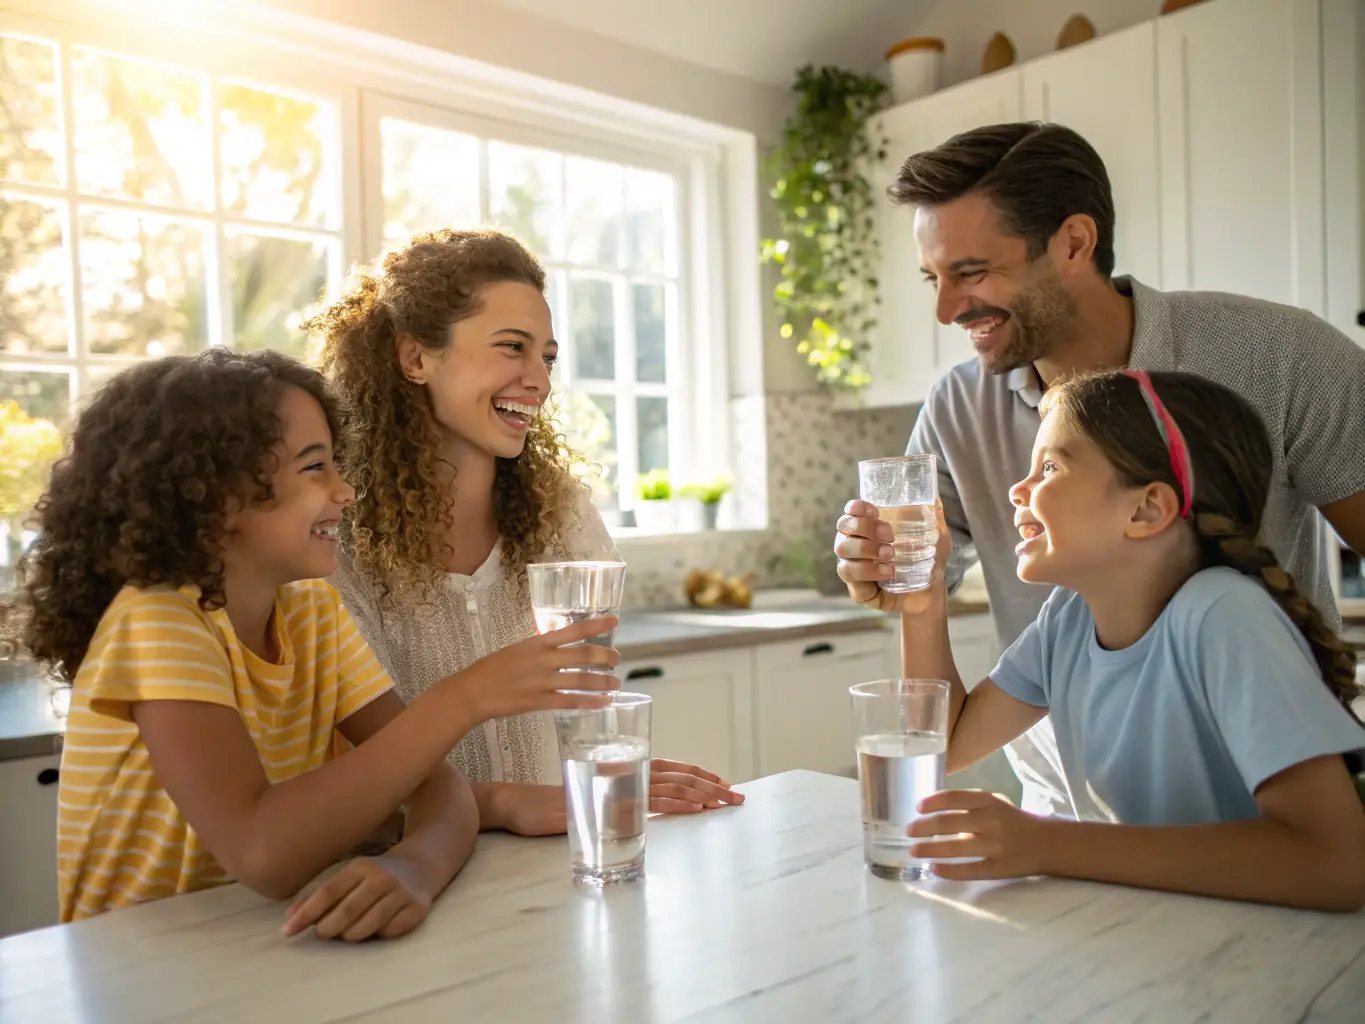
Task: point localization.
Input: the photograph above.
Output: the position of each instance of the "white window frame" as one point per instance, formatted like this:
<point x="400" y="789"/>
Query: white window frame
<point x="719" y="340"/>
<point x="78" y="362"/>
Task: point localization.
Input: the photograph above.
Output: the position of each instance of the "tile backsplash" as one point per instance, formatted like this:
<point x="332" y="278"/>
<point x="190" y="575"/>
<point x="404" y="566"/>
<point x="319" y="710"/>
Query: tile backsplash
<point x="813" y="449"/>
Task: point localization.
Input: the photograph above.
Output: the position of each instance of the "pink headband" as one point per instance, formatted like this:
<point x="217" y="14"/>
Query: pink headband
<point x="1181" y="464"/>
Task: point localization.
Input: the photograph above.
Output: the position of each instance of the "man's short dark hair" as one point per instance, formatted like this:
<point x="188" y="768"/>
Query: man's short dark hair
<point x="1037" y="175"/>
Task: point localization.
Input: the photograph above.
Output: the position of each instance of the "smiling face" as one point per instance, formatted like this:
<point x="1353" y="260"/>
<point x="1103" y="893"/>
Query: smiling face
<point x="493" y="378"/>
<point x="1073" y="513"/>
<point x="1016" y="309"/>
<point x="293" y="535"/>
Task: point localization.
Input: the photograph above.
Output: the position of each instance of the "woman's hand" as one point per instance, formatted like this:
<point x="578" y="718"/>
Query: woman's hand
<point x="1009" y="842"/>
<point x="384" y="896"/>
<point x="863" y="544"/>
<point x="677" y="788"/>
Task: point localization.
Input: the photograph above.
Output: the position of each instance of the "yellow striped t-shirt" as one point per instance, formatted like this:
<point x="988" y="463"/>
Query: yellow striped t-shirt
<point x="120" y="839"/>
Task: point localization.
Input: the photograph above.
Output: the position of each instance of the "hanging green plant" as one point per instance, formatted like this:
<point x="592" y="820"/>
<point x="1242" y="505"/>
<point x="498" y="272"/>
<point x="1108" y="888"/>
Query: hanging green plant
<point x="826" y="244"/>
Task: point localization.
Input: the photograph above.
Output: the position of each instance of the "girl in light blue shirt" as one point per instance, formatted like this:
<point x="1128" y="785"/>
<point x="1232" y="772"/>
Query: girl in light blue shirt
<point x="1198" y="698"/>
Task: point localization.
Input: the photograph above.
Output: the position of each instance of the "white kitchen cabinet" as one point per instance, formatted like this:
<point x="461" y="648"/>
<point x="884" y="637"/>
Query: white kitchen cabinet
<point x="911" y="349"/>
<point x="701" y="711"/>
<point x="1343" y="59"/>
<point x="1120" y="121"/>
<point x="28" y="843"/>
<point x="1240" y="104"/>
<point x="802" y="716"/>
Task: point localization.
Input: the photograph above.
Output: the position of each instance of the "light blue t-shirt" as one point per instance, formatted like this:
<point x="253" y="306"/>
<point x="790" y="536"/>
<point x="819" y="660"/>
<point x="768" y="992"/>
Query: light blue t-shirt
<point x="1180" y="728"/>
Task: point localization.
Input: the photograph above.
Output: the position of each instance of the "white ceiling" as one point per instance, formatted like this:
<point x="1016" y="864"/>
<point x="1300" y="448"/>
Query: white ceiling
<point x="762" y="40"/>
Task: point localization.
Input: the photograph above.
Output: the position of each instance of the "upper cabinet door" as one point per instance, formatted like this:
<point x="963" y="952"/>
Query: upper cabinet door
<point x="911" y="349"/>
<point x="1119" y="119"/>
<point x="1240" y="86"/>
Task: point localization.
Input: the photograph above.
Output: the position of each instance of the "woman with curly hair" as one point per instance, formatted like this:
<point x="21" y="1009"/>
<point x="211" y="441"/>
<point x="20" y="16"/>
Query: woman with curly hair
<point x="176" y="585"/>
<point x="441" y="360"/>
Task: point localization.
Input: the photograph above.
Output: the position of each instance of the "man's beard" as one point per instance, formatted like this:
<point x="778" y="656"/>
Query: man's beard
<point x="1040" y="320"/>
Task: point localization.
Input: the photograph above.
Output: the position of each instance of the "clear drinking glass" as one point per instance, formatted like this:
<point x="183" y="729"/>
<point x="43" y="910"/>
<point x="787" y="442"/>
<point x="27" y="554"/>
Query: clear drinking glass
<point x="905" y="491"/>
<point x="605" y="757"/>
<point x="901" y="730"/>
<point x="563" y="593"/>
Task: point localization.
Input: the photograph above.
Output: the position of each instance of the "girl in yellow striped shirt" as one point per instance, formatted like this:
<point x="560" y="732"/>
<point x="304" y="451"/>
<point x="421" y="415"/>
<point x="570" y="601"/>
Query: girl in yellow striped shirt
<point x="176" y="584"/>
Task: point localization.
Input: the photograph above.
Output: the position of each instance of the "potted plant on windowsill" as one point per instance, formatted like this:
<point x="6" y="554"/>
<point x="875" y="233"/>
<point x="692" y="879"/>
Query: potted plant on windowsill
<point x="655" y="510"/>
<point x="709" y="493"/>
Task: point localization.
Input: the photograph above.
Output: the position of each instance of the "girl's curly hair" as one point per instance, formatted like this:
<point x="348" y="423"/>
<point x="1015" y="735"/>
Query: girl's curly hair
<point x="141" y="495"/>
<point x="398" y="526"/>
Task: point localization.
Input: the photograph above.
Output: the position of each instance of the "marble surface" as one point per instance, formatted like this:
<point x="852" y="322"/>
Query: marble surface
<point x="757" y="913"/>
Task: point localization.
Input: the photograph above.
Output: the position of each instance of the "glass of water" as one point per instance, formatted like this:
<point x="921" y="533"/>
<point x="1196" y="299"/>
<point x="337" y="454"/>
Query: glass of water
<point x="605" y="756"/>
<point x="563" y="593"/>
<point x="905" y="491"/>
<point x="901" y="730"/>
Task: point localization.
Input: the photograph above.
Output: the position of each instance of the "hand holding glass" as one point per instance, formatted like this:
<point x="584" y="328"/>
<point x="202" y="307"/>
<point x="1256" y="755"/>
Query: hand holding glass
<point x="901" y="730"/>
<point x="566" y="592"/>
<point x="905" y="491"/>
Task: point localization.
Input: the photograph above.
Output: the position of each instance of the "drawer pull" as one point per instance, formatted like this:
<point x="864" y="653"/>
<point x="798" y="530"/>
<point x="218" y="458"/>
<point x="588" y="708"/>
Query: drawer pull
<point x="652" y="672"/>
<point x="814" y="649"/>
<point x="48" y="776"/>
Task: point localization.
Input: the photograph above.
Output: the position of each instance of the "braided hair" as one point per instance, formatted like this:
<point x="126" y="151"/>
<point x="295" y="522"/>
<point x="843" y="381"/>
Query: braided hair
<point x="1232" y="461"/>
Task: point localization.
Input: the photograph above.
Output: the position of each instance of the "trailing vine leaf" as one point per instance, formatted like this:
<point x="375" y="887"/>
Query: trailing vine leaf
<point x="826" y="247"/>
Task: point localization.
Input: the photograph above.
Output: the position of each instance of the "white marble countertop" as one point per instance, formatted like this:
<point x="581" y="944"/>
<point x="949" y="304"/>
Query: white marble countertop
<point x="757" y="913"/>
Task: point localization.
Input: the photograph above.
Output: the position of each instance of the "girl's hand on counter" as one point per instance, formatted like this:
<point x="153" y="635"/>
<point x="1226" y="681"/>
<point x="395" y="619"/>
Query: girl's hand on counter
<point x="383" y="896"/>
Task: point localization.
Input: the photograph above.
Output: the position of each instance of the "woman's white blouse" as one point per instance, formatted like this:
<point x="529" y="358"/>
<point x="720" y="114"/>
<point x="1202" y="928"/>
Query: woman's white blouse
<point x="467" y="618"/>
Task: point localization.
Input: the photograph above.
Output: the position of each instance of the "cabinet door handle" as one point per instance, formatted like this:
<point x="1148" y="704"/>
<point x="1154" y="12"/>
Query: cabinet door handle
<point x="48" y="776"/>
<point x="820" y="648"/>
<point x="652" y="672"/>
<point x="1360" y="318"/>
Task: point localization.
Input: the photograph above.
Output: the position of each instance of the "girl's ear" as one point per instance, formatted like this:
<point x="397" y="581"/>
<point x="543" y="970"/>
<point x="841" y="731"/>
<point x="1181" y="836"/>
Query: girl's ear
<point x="1155" y="508"/>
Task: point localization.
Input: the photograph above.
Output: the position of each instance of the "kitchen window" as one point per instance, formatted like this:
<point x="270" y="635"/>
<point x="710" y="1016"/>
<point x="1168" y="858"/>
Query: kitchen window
<point x="158" y="199"/>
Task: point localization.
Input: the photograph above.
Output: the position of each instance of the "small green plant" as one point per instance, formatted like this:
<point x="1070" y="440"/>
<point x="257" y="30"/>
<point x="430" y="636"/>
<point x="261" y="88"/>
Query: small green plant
<point x="654" y="486"/>
<point x="708" y="492"/>
<point x="827" y="247"/>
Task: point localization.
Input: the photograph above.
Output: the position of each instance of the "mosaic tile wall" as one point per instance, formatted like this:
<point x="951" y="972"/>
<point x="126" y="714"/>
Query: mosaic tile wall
<point x="812" y="454"/>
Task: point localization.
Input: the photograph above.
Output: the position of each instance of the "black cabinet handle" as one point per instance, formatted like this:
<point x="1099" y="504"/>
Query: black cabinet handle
<point x="1360" y="318"/>
<point x="653" y="672"/>
<point x="821" y="648"/>
<point x="48" y="777"/>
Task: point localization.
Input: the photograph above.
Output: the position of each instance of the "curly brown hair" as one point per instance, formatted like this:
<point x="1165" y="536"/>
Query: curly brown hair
<point x="398" y="526"/>
<point x="141" y="495"/>
<point x="1232" y="460"/>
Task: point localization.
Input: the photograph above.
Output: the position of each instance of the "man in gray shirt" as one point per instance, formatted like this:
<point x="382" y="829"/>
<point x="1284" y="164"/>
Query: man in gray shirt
<point x="1015" y="227"/>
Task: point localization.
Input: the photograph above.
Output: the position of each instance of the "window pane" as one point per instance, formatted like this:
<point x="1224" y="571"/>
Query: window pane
<point x="652" y="423"/>
<point x="592" y="226"/>
<point x="650" y="303"/>
<point x="430" y="179"/>
<point x="594" y="328"/>
<point x="33" y="276"/>
<point x="141" y="131"/>
<point x="524" y="195"/>
<point x="30" y="123"/>
<point x="277" y="157"/>
<point x="143" y="283"/>
<point x="589" y="426"/>
<point x="276" y="284"/>
<point x="649" y="222"/>
<point x="42" y="394"/>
